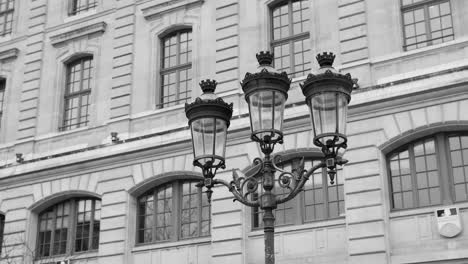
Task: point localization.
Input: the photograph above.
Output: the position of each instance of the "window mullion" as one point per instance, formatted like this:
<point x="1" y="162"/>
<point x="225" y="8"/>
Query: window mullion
<point x="414" y="181"/>
<point x="442" y="155"/>
<point x="176" y="210"/>
<point x="200" y="209"/>
<point x="325" y="193"/>
<point x="155" y="213"/>
<point x="427" y="25"/>
<point x="73" y="219"/>
<point x="91" y="225"/>
<point x="52" y="235"/>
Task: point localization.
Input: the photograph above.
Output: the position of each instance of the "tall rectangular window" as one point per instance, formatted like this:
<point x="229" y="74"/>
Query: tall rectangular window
<point x="6" y="16"/>
<point x="78" y="88"/>
<point x="176" y="68"/>
<point x="290" y="42"/>
<point x="426" y="23"/>
<point x="80" y="6"/>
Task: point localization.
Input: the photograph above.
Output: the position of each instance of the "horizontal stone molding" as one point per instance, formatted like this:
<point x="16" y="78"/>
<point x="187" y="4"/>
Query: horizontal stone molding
<point x="157" y="10"/>
<point x="79" y="32"/>
<point x="9" y="54"/>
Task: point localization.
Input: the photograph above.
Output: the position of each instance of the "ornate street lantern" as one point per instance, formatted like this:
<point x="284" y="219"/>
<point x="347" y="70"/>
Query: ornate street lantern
<point x="209" y="118"/>
<point x="327" y="94"/>
<point x="266" y="92"/>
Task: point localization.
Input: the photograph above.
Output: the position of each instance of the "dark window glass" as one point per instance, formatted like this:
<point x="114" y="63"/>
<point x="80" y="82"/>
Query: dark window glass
<point x="176" y="68"/>
<point x="290" y="42"/>
<point x="426" y="23"/>
<point x="78" y="88"/>
<point x="2" y="228"/>
<point x="320" y="200"/>
<point x="173" y="211"/>
<point x="80" y="6"/>
<point x="6" y="16"/>
<point x="72" y="222"/>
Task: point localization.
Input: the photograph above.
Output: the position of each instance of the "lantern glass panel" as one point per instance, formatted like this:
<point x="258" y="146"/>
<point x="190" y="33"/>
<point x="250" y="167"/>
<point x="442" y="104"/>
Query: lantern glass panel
<point x="209" y="139"/>
<point x="329" y="114"/>
<point x="266" y="112"/>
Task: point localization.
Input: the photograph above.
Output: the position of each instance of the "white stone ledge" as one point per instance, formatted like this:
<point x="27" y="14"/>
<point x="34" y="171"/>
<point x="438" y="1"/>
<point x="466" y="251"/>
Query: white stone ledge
<point x="164" y="245"/>
<point x="162" y="7"/>
<point x="57" y="39"/>
<point x="425" y="210"/>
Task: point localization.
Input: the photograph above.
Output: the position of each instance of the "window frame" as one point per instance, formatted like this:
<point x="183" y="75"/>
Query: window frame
<point x="67" y="95"/>
<point x="444" y="169"/>
<point x="174" y="69"/>
<point x="299" y="203"/>
<point x="71" y="230"/>
<point x="425" y="6"/>
<point x="291" y="38"/>
<point x="177" y="197"/>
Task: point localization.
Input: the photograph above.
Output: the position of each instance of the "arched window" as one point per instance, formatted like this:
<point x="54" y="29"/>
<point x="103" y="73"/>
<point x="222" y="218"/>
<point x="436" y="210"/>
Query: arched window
<point x="290" y="36"/>
<point x="429" y="171"/>
<point x="176" y="68"/>
<point x="77" y="90"/>
<point x="69" y="227"/>
<point x="80" y="6"/>
<point x="320" y="199"/>
<point x="173" y="211"/>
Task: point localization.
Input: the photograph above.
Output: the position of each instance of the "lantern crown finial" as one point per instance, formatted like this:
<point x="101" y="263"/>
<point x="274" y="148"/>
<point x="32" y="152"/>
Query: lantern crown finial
<point x="325" y="59"/>
<point x="265" y="58"/>
<point x="208" y="86"/>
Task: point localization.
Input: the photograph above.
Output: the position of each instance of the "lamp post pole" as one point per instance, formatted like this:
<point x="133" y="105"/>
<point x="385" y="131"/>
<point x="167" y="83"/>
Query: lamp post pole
<point x="327" y="95"/>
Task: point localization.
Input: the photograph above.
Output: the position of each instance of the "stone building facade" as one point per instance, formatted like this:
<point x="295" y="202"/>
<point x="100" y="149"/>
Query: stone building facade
<point x="74" y="71"/>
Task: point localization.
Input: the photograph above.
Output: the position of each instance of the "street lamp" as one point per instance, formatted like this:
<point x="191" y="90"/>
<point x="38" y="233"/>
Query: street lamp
<point x="327" y="94"/>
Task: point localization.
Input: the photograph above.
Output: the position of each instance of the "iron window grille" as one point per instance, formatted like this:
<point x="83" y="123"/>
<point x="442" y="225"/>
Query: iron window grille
<point x="320" y="200"/>
<point x="81" y="6"/>
<point x="426" y="22"/>
<point x="173" y="211"/>
<point x="290" y="37"/>
<point x="78" y="88"/>
<point x="430" y="171"/>
<point x="176" y="68"/>
<point x="69" y="227"/>
<point x="7" y="8"/>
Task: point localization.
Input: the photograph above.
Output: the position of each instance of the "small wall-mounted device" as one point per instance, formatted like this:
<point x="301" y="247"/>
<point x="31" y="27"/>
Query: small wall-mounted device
<point x="448" y="221"/>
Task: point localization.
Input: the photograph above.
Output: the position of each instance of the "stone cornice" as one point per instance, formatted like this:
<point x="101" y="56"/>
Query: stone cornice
<point x="157" y="10"/>
<point x="79" y="32"/>
<point x="9" y="54"/>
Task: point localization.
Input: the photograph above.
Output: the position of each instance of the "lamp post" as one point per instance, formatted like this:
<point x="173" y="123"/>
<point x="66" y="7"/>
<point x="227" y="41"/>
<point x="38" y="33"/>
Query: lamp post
<point x="327" y="94"/>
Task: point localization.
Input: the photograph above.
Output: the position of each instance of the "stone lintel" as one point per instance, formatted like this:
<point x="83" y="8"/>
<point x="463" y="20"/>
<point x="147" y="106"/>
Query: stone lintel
<point x="79" y="32"/>
<point x="9" y="54"/>
<point x="160" y="8"/>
